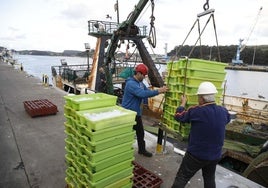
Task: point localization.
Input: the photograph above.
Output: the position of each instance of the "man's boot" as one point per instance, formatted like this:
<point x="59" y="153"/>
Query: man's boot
<point x="142" y="150"/>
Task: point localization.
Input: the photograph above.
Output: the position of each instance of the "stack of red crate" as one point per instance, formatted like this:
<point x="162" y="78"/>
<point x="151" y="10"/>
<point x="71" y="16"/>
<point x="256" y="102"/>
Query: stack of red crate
<point x="40" y="107"/>
<point x="143" y="178"/>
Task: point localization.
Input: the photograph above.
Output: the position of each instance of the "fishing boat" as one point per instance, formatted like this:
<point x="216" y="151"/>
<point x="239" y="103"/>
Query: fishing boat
<point x="245" y="148"/>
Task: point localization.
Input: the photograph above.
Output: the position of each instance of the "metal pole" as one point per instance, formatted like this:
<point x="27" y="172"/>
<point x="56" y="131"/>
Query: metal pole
<point x="159" y="148"/>
<point x="117" y="11"/>
<point x="87" y="46"/>
<point x="253" y="59"/>
<point x="165" y="142"/>
<point x="88" y="61"/>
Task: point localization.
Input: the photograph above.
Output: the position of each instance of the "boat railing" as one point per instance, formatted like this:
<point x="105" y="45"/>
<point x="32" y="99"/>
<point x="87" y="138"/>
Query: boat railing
<point x="97" y="28"/>
<point x="75" y="74"/>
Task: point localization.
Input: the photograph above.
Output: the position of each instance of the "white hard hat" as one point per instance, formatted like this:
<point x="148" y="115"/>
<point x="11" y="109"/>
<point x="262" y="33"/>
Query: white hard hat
<point x="206" y="88"/>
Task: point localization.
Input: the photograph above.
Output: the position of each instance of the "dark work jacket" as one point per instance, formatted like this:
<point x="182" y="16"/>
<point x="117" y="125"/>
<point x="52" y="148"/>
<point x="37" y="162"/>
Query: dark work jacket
<point x="207" y="132"/>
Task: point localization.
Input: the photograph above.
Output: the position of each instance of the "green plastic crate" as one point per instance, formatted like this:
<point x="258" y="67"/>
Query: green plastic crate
<point x="123" y="183"/>
<point x="206" y="64"/>
<point x="69" y="145"/>
<point x="90" y="101"/>
<point x="171" y="94"/>
<point x="106" y="143"/>
<point x="69" y="159"/>
<point x="196" y="63"/>
<point x="109" y="132"/>
<point x="97" y="176"/>
<point x="196" y="81"/>
<point x="105" y="133"/>
<point x="112" y="179"/>
<point x="174" y="87"/>
<point x="190" y="86"/>
<point x="69" y="181"/>
<point x="202" y="73"/>
<point x="69" y="119"/>
<point x="70" y="177"/>
<point x="172" y="101"/>
<point x="130" y="185"/>
<point x="104" y="154"/>
<point x="168" y="115"/>
<point x="188" y="89"/>
<point x="193" y="98"/>
<point x="173" y="73"/>
<point x="69" y="128"/>
<point x="98" y="166"/>
<point x="72" y="135"/>
<point x="69" y="111"/>
<point x="70" y="154"/>
<point x="171" y="79"/>
<point x="101" y="118"/>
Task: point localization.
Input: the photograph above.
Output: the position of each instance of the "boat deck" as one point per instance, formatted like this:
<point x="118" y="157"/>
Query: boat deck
<point x="32" y="149"/>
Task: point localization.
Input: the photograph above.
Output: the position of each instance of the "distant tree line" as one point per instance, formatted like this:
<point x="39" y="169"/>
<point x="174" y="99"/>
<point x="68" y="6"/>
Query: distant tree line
<point x="49" y="53"/>
<point x="227" y="53"/>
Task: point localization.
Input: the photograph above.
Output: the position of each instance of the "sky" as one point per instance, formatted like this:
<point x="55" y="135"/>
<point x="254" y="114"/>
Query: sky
<point x="58" y="25"/>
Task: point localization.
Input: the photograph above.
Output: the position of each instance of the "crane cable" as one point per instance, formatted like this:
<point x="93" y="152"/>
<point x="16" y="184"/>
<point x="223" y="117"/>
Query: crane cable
<point x="251" y="31"/>
<point x="206" y="11"/>
<point x="200" y="33"/>
<point x="206" y="5"/>
<point x="152" y="32"/>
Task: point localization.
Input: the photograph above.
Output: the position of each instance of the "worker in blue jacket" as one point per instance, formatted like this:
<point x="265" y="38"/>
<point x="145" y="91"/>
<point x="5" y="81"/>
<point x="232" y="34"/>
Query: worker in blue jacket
<point x="206" y="137"/>
<point x="135" y="95"/>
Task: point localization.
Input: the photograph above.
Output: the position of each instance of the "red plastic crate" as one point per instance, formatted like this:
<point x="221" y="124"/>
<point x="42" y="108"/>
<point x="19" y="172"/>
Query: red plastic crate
<point x="143" y="178"/>
<point x="41" y="107"/>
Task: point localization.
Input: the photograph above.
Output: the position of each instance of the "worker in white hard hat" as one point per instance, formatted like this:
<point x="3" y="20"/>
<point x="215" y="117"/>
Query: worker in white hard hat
<point x="206" y="138"/>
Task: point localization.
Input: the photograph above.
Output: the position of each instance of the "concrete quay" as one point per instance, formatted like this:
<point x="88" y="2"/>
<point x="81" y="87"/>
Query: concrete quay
<point x="32" y="153"/>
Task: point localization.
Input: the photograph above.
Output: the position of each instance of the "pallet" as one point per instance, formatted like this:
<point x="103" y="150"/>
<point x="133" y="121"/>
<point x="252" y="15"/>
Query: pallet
<point x="143" y="178"/>
<point x="41" y="107"/>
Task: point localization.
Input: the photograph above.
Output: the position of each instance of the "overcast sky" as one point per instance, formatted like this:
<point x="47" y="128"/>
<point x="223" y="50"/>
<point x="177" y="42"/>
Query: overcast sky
<point x="57" y="25"/>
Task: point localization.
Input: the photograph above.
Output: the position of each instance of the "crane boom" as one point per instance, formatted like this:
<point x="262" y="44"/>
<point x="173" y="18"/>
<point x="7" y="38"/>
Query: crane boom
<point x="125" y="28"/>
<point x="241" y="47"/>
<point x="251" y="30"/>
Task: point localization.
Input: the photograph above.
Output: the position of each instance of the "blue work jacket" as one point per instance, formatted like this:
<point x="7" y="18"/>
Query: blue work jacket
<point x="136" y="94"/>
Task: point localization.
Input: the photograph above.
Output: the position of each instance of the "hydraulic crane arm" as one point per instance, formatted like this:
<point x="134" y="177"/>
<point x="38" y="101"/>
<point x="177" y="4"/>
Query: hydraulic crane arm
<point x="125" y="29"/>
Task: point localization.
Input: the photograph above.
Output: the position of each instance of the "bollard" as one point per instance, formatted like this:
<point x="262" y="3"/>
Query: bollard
<point x="45" y="80"/>
<point x="21" y="67"/>
<point x="159" y="148"/>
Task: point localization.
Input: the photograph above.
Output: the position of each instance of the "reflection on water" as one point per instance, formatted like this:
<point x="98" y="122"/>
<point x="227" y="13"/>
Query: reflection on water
<point x="247" y="83"/>
<point x="39" y="65"/>
<point x="239" y="83"/>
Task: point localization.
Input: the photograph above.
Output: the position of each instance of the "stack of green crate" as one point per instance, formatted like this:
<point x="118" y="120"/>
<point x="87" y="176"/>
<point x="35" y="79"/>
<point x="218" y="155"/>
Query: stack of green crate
<point x="184" y="77"/>
<point x="99" y="142"/>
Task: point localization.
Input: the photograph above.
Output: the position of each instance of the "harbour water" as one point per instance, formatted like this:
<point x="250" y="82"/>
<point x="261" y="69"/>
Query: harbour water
<point x="239" y="83"/>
